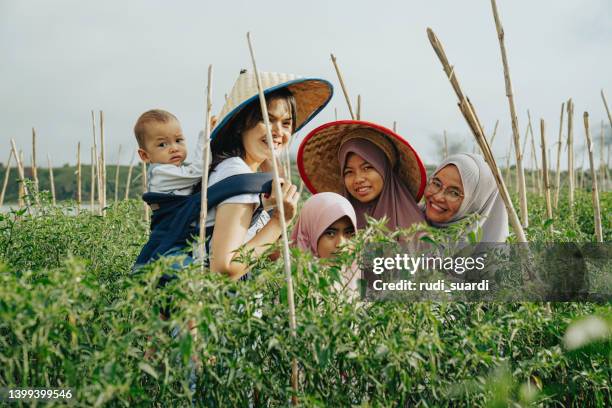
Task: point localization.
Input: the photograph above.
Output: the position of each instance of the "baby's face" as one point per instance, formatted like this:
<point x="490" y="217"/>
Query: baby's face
<point x="164" y="144"/>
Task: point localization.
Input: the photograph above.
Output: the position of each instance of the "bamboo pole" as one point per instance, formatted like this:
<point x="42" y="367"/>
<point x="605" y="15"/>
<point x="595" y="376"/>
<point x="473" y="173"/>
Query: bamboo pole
<point x="22" y="190"/>
<point x="51" y="180"/>
<point x="559" y="145"/>
<point x="570" y="154"/>
<point x="358" y="107"/>
<point x="34" y="167"/>
<point x="549" y="212"/>
<point x="205" y="166"/>
<point x="595" y="192"/>
<point x="92" y="191"/>
<point x="394" y="126"/>
<point x="603" y="97"/>
<point x="6" y="177"/>
<point x="445" y="145"/>
<point x="281" y="210"/>
<point x="96" y="164"/>
<point x="535" y="156"/>
<point x="19" y="161"/>
<point x="508" y="176"/>
<point x="336" y="114"/>
<point x="346" y="95"/>
<point x="602" y="166"/>
<point x="470" y="115"/>
<point x="117" y="175"/>
<point x="102" y="163"/>
<point x="78" y="174"/>
<point x="494" y="132"/>
<point x="129" y="177"/>
<point x="144" y="190"/>
<point x="515" y="132"/>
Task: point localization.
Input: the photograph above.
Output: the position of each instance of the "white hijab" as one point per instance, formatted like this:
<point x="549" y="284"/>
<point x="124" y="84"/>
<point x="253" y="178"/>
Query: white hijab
<point x="481" y="196"/>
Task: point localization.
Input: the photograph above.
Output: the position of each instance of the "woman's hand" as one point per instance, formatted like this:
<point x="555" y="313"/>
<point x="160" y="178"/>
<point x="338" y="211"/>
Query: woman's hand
<point x="290" y="200"/>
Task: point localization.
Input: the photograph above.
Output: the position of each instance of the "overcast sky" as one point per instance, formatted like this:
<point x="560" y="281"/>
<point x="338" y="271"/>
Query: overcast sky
<point x="61" y="59"/>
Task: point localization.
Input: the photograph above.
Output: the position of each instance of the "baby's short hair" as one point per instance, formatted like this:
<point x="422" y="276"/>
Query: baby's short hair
<point x="153" y="115"/>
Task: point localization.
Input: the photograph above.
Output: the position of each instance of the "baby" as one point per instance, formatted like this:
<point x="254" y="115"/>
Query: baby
<point x="161" y="143"/>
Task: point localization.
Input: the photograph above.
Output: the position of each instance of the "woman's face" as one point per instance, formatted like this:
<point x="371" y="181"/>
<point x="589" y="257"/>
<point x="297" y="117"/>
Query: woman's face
<point x="334" y="236"/>
<point x="443" y="195"/>
<point x="361" y="179"/>
<point x="254" y="139"/>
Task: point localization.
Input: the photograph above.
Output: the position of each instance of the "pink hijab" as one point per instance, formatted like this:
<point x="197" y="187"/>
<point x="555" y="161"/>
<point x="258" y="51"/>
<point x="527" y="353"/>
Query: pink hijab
<point x="318" y="213"/>
<point x="395" y="201"/>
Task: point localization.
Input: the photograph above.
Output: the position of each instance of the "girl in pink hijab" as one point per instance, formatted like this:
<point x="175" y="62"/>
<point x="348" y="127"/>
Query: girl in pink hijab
<point x="373" y="187"/>
<point x="326" y="221"/>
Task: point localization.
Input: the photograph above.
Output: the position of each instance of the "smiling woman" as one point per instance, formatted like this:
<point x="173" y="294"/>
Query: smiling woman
<point x="373" y="167"/>
<point x="239" y="147"/>
<point x="461" y="186"/>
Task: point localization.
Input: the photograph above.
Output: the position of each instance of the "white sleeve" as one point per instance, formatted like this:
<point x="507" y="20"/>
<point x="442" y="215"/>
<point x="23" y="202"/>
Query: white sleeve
<point x="168" y="177"/>
<point x="230" y="167"/>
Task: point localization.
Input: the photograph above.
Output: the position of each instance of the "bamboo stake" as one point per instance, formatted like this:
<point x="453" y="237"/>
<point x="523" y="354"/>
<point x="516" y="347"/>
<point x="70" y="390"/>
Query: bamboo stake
<point x="96" y="163"/>
<point x="445" y="145"/>
<point x="336" y="114"/>
<point x="549" y="212"/>
<point x="92" y="192"/>
<point x="570" y="153"/>
<point x="6" y="177"/>
<point x="129" y="177"/>
<point x="34" y="168"/>
<point x="394" y="126"/>
<point x="102" y="163"/>
<point x="559" y="145"/>
<point x="494" y="132"/>
<point x="281" y="210"/>
<point x="535" y="155"/>
<point x="19" y="165"/>
<point x="515" y="132"/>
<point x="346" y="95"/>
<point x="602" y="167"/>
<point x="117" y="176"/>
<point x="358" y="107"/>
<point x="22" y="190"/>
<point x="470" y="115"/>
<point x="51" y="180"/>
<point x="508" y="177"/>
<point x="78" y="174"/>
<point x="144" y="190"/>
<point x="595" y="192"/>
<point x="205" y="166"/>
<point x="603" y="97"/>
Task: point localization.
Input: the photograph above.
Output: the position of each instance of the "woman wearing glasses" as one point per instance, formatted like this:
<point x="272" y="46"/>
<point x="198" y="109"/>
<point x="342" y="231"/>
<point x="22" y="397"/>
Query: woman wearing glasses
<point x="463" y="185"/>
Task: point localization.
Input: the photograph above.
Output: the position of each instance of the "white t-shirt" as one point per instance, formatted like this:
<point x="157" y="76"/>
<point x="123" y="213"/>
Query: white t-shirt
<point x="230" y="167"/>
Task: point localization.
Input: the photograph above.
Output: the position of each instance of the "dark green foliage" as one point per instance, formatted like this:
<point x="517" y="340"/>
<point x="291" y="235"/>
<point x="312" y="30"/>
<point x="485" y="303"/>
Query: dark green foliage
<point x="73" y="315"/>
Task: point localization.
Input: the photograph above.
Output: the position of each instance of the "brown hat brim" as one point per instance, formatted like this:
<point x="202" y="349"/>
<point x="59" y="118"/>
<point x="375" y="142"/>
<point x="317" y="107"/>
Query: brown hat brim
<point x="319" y="167"/>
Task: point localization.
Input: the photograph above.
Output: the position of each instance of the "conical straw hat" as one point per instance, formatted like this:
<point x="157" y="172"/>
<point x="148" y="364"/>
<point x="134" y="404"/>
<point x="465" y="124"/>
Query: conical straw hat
<point x="311" y="96"/>
<point x="319" y="165"/>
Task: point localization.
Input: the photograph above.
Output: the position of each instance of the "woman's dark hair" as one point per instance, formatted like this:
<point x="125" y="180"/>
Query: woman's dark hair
<point x="228" y="142"/>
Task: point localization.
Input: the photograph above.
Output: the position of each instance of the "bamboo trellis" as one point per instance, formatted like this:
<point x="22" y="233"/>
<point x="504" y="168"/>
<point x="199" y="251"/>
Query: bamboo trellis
<point x="559" y="145"/>
<point x="594" y="191"/>
<point x="514" y="119"/>
<point x="344" y="90"/>
<point x="280" y="208"/>
<point x="205" y="166"/>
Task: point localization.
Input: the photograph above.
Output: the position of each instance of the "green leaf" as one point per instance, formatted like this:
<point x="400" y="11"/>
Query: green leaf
<point x="148" y="369"/>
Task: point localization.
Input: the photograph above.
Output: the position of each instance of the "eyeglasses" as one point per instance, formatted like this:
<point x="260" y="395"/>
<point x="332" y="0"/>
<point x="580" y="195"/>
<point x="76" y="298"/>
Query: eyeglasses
<point x="452" y="194"/>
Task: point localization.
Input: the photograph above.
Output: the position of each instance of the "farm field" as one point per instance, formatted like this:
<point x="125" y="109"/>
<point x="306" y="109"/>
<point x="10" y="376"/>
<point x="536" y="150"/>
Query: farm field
<point x="73" y="315"/>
